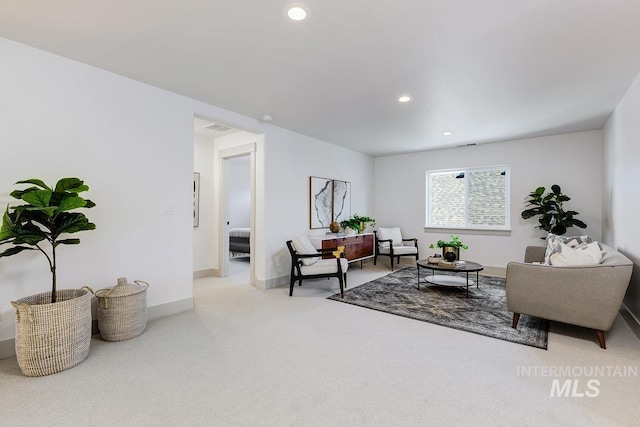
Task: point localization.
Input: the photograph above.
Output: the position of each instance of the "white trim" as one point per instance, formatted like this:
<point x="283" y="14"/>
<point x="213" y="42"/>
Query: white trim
<point x="466" y="230"/>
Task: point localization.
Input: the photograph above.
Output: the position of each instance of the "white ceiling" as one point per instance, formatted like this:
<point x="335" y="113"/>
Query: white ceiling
<point x="488" y="70"/>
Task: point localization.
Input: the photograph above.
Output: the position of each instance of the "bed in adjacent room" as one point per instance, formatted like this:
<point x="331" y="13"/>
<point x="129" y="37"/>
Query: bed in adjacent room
<point x="239" y="241"/>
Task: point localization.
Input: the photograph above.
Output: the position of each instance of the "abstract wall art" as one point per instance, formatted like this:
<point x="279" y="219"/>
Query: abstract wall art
<point x="329" y="200"/>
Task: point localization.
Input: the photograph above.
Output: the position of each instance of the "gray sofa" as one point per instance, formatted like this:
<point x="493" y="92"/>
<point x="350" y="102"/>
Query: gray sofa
<point x="588" y="296"/>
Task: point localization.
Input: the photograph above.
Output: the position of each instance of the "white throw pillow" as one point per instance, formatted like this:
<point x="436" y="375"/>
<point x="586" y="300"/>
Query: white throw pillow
<point x="585" y="254"/>
<point x="303" y="246"/>
<point x="554" y="241"/>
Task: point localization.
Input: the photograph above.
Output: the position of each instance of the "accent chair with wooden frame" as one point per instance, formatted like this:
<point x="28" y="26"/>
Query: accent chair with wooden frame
<point x="389" y="242"/>
<point x="307" y="263"/>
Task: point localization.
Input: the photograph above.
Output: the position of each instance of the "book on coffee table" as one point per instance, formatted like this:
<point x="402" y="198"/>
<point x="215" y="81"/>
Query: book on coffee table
<point x="452" y="264"/>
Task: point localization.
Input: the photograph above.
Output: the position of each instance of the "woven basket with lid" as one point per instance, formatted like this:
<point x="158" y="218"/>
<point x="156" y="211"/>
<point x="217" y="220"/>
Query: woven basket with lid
<point x="122" y="310"/>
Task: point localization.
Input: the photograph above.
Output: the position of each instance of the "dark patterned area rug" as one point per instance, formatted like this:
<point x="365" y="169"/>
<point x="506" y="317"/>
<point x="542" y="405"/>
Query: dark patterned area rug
<point x="484" y="312"/>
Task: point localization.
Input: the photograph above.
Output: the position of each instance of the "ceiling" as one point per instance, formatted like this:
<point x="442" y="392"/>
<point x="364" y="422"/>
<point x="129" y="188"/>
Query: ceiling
<point x="488" y="70"/>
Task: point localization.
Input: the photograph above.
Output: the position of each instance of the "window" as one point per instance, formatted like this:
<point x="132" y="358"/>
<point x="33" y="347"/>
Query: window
<point x="474" y="198"/>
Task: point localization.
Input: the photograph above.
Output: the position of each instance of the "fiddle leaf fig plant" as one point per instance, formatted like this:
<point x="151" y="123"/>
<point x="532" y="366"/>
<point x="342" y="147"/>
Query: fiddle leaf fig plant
<point x="46" y="216"/>
<point x="553" y="218"/>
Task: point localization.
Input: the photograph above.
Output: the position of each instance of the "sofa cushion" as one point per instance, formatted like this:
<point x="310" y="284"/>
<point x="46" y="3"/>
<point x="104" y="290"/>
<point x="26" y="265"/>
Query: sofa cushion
<point x="554" y="241"/>
<point x="303" y="246"/>
<point x="585" y="254"/>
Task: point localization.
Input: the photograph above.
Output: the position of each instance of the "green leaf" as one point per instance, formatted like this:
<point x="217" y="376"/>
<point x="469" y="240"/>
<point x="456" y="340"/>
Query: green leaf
<point x="6" y="220"/>
<point x="530" y="213"/>
<point x="556" y="189"/>
<point x="70" y="203"/>
<point x="67" y="242"/>
<point x="47" y="211"/>
<point x="71" y="185"/>
<point x="17" y="194"/>
<point x="38" y="198"/>
<point x="71" y="223"/>
<point x="539" y="191"/>
<point x="29" y="234"/>
<point x="89" y="204"/>
<point x="15" y="250"/>
<point x="559" y="229"/>
<point x="37" y="182"/>
<point x="578" y="223"/>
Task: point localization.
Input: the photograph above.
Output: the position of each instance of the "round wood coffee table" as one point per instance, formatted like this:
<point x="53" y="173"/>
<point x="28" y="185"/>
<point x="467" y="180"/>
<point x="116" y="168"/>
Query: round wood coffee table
<point x="449" y="280"/>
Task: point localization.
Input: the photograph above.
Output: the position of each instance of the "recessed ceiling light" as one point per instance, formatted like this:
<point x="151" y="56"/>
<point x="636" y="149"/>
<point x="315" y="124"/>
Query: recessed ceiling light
<point x="405" y="98"/>
<point x="297" y="13"/>
<point x="447" y="133"/>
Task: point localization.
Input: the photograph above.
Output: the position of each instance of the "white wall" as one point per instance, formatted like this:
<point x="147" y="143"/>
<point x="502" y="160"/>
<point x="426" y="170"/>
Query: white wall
<point x="204" y="253"/>
<point x="621" y="228"/>
<point x="132" y="143"/>
<point x="572" y="161"/>
<point x="292" y="159"/>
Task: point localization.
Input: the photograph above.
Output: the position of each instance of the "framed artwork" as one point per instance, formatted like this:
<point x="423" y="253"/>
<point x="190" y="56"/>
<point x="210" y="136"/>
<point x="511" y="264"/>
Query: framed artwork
<point x="321" y="198"/>
<point x="341" y="200"/>
<point x="196" y="199"/>
<point x="329" y="200"/>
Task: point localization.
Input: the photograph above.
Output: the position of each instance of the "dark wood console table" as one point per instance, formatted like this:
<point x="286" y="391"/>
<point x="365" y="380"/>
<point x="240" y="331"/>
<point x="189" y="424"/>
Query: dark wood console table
<point x="357" y="247"/>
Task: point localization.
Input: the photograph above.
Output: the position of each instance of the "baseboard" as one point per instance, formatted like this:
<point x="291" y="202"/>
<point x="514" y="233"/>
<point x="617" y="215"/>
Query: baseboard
<point x="174" y="307"/>
<point x="631" y="320"/>
<point x="494" y="271"/>
<point x="272" y="283"/>
<point x="210" y="272"/>
<point x="8" y="347"/>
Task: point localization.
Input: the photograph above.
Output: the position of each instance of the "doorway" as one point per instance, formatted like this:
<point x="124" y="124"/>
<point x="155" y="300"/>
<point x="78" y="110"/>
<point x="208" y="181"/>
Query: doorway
<point x="239" y="214"/>
<point x="217" y="147"/>
<point x="243" y="157"/>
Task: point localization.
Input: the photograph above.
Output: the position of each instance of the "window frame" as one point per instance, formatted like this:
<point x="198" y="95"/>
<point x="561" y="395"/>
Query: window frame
<point x="467" y="226"/>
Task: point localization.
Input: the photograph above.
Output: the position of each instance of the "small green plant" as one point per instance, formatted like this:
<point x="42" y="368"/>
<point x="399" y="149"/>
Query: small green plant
<point x="553" y="218"/>
<point x="357" y="222"/>
<point x="44" y="218"/>
<point x="453" y="243"/>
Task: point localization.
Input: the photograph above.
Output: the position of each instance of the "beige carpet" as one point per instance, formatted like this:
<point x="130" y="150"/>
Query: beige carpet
<point x="247" y="357"/>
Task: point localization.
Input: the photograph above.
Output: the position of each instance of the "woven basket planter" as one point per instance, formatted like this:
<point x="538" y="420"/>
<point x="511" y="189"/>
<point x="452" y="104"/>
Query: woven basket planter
<point x="122" y="310"/>
<point x="51" y="338"/>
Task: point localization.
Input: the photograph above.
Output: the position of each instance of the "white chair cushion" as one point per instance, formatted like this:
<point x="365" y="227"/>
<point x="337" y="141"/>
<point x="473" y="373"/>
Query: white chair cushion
<point x="400" y="250"/>
<point x="392" y="233"/>
<point x="303" y="246"/>
<point x="324" y="266"/>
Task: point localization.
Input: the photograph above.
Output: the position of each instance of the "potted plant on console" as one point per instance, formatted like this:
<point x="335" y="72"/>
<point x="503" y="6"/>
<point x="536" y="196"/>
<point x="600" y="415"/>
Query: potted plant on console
<point x="357" y="224"/>
<point x="450" y="248"/>
<point x="53" y="329"/>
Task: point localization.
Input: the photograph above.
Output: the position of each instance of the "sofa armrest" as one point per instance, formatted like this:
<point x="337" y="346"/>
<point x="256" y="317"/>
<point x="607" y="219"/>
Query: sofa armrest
<point x="588" y="296"/>
<point x="534" y="253"/>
